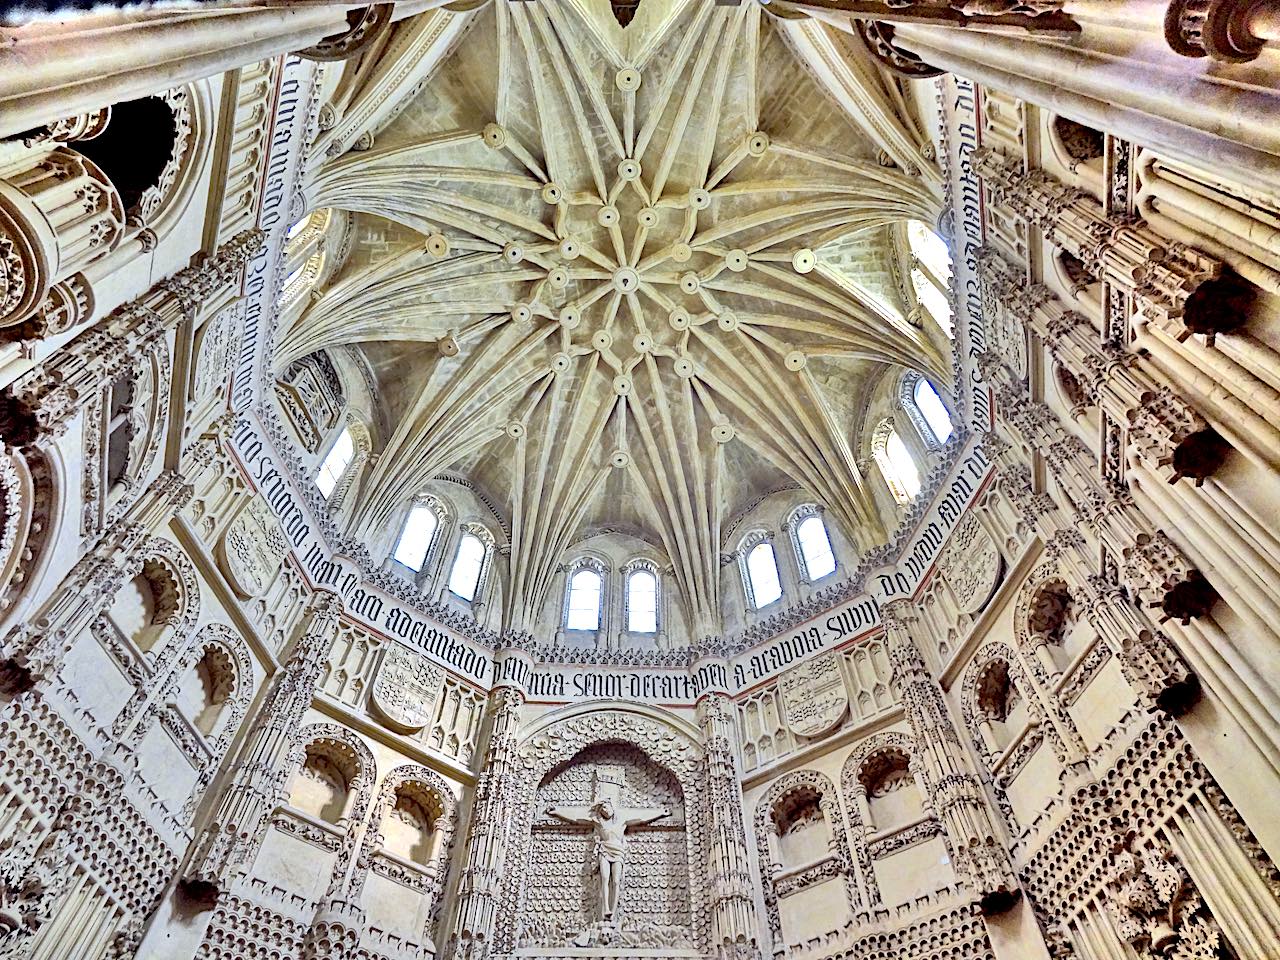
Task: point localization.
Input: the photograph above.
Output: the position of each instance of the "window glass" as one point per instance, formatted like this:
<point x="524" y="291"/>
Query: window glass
<point x="762" y="569"/>
<point x="929" y="248"/>
<point x="335" y="463"/>
<point x="642" y="602"/>
<point x="464" y="579"/>
<point x="901" y="468"/>
<point x="815" y="548"/>
<point x="298" y="227"/>
<point x="934" y="301"/>
<point x="933" y="410"/>
<point x="584" y="601"/>
<point x="415" y="538"/>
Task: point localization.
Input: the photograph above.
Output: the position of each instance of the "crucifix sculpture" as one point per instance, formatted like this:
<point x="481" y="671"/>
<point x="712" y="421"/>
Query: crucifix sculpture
<point x="609" y="819"/>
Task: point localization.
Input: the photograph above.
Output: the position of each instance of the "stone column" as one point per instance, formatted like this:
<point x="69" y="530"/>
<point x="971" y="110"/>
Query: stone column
<point x="955" y="794"/>
<point x="1169" y="280"/>
<point x="734" y="925"/>
<point x="258" y="777"/>
<point x="480" y="889"/>
<point x="50" y="70"/>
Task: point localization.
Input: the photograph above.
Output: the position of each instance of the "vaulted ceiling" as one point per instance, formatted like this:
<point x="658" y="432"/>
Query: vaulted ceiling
<point x="620" y="278"/>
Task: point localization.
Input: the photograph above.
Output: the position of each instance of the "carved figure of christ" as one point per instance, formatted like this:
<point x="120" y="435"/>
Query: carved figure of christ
<point x="610" y="824"/>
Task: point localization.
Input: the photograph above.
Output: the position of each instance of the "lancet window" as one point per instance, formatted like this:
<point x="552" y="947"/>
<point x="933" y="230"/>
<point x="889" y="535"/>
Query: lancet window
<point x="470" y="562"/>
<point x="584" y="598"/>
<point x="335" y="463"/>
<point x="924" y="405"/>
<point x="895" y="462"/>
<point x="812" y="543"/>
<point x="641" y="597"/>
<point x="930" y="273"/>
<point x="419" y="534"/>
<point x="760" y="570"/>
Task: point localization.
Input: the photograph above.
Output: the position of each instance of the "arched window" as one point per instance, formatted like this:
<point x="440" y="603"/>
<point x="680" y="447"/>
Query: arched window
<point x="929" y="250"/>
<point x="933" y="410"/>
<point x="582" y="612"/>
<point x="468" y="565"/>
<point x="416" y="536"/>
<point x="642" y="601"/>
<point x="895" y="463"/>
<point x="335" y="463"/>
<point x="762" y="575"/>
<point x="930" y="271"/>
<point x="816" y="556"/>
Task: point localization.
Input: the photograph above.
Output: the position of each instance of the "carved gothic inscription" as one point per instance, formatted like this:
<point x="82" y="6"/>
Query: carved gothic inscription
<point x="252" y="549"/>
<point x="971" y="565"/>
<point x="406" y="688"/>
<point x="815" y="696"/>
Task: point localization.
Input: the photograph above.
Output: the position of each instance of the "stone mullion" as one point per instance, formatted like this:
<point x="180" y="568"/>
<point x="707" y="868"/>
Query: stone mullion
<point x="259" y="775"/>
<point x="480" y="889"/>
<point x="733" y="918"/>
<point x="955" y="794"/>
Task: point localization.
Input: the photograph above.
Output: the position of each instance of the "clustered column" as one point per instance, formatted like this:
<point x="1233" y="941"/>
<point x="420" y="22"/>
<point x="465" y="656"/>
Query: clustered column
<point x="258" y="777"/>
<point x="953" y="789"/>
<point x="481" y="887"/>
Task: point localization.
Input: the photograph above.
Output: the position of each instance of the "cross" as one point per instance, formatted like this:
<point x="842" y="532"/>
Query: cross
<point x="610" y="820"/>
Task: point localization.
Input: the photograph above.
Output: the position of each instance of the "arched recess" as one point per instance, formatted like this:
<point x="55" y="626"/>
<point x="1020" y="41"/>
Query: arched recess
<point x="666" y="741"/>
<point x="145" y="626"/>
<point x="886" y="799"/>
<point x="1005" y="721"/>
<point x="338" y="760"/>
<point x="124" y="427"/>
<point x="230" y="687"/>
<point x="30" y="507"/>
<point x="425" y="802"/>
<point x="801" y="802"/>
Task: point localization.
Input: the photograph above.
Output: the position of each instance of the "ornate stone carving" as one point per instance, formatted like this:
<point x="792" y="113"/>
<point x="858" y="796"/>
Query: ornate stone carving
<point x="364" y="26"/>
<point x="1232" y="31"/>
<point x="406" y="687"/>
<point x="815" y="696"/>
<point x="971" y="565"/>
<point x="252" y="549"/>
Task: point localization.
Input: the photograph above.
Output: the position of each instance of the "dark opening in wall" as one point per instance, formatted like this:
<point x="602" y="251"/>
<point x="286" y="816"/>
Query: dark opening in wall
<point x="135" y="147"/>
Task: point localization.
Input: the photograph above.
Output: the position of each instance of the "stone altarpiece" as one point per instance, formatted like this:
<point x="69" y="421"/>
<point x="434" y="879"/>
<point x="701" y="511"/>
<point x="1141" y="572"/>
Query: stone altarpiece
<point x="644" y="767"/>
